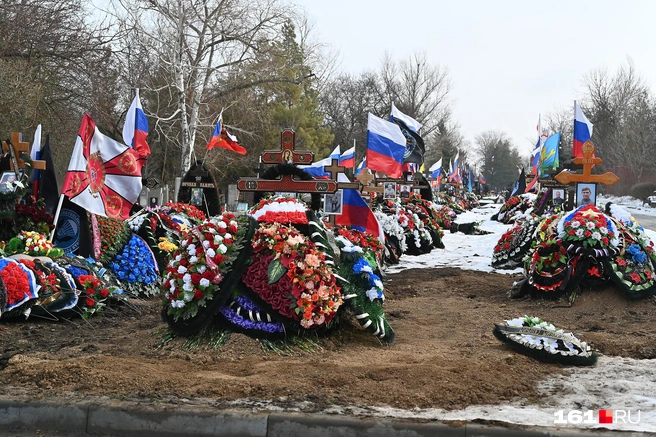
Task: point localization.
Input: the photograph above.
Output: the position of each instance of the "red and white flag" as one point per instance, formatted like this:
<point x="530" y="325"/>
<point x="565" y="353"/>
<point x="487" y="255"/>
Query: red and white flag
<point x="104" y="176"/>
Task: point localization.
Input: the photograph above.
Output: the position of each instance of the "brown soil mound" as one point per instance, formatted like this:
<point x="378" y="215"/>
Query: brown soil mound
<point x="444" y="356"/>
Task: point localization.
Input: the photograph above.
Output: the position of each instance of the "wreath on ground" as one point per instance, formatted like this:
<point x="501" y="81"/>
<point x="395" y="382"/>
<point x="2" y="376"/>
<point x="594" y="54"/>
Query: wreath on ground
<point x="536" y="338"/>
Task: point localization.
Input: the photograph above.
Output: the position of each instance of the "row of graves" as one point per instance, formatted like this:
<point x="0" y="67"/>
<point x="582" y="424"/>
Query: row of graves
<point x="285" y="268"/>
<point x="564" y="247"/>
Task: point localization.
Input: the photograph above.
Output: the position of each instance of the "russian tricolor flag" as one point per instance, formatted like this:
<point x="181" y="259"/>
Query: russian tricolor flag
<point x="582" y="131"/>
<point x="361" y="166"/>
<point x="135" y="129"/>
<point x="347" y="159"/>
<point x="316" y="168"/>
<point x="436" y="169"/>
<point x="357" y="214"/>
<point x="385" y="147"/>
<point x="221" y="138"/>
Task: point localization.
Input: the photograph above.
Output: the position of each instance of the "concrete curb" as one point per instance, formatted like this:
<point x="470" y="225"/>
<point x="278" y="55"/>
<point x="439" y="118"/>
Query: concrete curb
<point x="182" y="421"/>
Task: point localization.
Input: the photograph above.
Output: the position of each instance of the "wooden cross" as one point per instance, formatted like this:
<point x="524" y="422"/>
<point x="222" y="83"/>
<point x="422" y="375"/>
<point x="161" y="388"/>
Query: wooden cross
<point x="565" y="177"/>
<point x="287" y="183"/>
<point x="19" y="147"/>
<point x="287" y="154"/>
<point x="366" y="178"/>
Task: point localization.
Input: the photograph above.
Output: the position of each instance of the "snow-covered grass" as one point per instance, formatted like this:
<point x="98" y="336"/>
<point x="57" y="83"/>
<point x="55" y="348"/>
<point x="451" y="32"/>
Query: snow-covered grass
<point x="615" y="383"/>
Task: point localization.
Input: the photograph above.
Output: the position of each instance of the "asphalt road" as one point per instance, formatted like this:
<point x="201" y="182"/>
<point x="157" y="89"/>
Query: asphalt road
<point x="646" y="221"/>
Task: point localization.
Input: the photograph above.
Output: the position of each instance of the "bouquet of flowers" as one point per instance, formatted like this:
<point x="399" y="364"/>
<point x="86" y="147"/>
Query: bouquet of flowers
<point x="34" y="244"/>
<point x="113" y="235"/>
<point x="136" y="267"/>
<point x="95" y="295"/>
<point x="588" y="228"/>
<point x="290" y="274"/>
<point x="198" y="267"/>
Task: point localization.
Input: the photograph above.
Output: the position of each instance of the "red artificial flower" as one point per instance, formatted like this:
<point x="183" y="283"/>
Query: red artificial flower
<point x="195" y="278"/>
<point x="207" y="274"/>
<point x="198" y="295"/>
<point x="90" y="302"/>
<point x="587" y="234"/>
<point x="104" y="292"/>
<point x="635" y="278"/>
<point x="621" y="262"/>
<point x="90" y="291"/>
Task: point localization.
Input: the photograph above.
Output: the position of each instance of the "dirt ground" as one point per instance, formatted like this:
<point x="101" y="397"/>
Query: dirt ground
<point x="444" y="356"/>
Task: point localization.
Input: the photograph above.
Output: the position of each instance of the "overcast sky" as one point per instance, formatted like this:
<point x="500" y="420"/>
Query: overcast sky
<point x="508" y="60"/>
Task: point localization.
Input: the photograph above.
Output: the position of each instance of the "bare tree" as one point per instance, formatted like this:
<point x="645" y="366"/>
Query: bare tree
<point x="418" y="89"/>
<point x="195" y="46"/>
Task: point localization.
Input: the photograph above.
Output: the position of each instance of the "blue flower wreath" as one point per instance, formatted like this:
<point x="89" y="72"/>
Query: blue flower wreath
<point x="637" y="254"/>
<point x="135" y="263"/>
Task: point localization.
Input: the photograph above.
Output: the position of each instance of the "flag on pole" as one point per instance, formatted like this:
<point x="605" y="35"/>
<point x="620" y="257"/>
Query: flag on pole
<point x="361" y="166"/>
<point x="413" y="124"/>
<point x="221" y="138"/>
<point x="48" y="186"/>
<point x="436" y="169"/>
<point x="347" y="159"/>
<point x="357" y="214"/>
<point x="414" y="144"/>
<point x="104" y="176"/>
<point x="549" y="154"/>
<point x="316" y="169"/>
<point x="454" y="175"/>
<point x="135" y="129"/>
<point x="582" y="131"/>
<point x="36" y="144"/>
<point x="520" y="185"/>
<point x="385" y="147"/>
<point x="482" y="180"/>
<point x="35" y="154"/>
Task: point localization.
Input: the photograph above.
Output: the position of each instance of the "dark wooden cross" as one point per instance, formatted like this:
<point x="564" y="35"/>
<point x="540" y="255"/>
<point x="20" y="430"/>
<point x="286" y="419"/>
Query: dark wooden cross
<point x="565" y="177"/>
<point x="18" y="147"/>
<point x="287" y="154"/>
<point x="287" y="183"/>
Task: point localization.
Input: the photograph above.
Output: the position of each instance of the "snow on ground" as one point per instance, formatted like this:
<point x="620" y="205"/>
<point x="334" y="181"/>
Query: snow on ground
<point x="469" y="252"/>
<point x="615" y="383"/>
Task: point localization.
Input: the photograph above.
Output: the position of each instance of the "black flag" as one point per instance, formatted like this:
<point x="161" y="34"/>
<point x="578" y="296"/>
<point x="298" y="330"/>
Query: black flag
<point x="48" y="187"/>
<point x="520" y="185"/>
<point x="414" y="144"/>
<point x="73" y="233"/>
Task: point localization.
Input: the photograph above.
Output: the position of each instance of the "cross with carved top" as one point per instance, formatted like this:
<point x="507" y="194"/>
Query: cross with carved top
<point x="566" y="177"/>
<point x="287" y="154"/>
<point x="18" y="147"/>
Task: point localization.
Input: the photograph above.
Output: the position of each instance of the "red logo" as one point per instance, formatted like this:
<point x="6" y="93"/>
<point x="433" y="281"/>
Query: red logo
<point x="605" y="416"/>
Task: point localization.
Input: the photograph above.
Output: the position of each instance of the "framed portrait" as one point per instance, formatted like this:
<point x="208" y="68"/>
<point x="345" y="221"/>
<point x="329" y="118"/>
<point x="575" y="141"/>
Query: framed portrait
<point x="405" y="191"/>
<point x="242" y="207"/>
<point x="586" y="194"/>
<point x="7" y="182"/>
<point x="153" y="202"/>
<point x="416" y="190"/>
<point x="196" y="197"/>
<point x="558" y="196"/>
<point x="332" y="203"/>
<point x="390" y="190"/>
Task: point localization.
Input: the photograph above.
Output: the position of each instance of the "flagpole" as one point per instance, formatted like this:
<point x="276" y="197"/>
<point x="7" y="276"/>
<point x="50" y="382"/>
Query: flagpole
<point x="59" y="207"/>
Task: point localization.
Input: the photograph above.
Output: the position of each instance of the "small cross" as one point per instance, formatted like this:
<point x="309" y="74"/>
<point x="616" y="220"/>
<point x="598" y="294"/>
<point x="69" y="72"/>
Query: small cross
<point x="365" y="177"/>
<point x="334" y="168"/>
